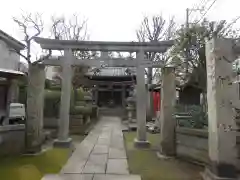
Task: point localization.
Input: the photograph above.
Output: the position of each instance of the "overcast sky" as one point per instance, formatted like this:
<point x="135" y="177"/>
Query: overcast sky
<point x="112" y="20"/>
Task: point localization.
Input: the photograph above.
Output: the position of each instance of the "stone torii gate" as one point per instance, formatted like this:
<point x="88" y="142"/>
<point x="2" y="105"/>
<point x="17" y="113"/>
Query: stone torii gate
<point x="68" y="60"/>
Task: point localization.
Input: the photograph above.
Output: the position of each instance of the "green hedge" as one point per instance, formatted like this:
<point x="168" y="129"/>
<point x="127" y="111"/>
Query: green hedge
<point x="198" y="120"/>
<point x="52" y="98"/>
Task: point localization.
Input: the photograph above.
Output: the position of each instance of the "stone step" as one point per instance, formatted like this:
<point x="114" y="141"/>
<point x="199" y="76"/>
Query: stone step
<point x="91" y="177"/>
<point x="111" y="112"/>
<point x="75" y="124"/>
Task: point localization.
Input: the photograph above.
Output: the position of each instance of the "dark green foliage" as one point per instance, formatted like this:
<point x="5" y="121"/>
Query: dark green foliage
<point x="191" y="116"/>
<point x="189" y="49"/>
<point x="199" y="118"/>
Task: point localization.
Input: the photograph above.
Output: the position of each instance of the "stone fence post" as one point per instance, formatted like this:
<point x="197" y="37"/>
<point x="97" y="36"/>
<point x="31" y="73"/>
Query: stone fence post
<point x="167" y="119"/>
<point x="35" y="106"/>
<point x="221" y="113"/>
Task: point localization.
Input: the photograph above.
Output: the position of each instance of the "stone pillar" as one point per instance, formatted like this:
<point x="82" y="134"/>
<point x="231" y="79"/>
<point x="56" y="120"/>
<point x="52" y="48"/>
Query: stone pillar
<point x="141" y="139"/>
<point x="148" y="113"/>
<point x="167" y="119"/>
<point x="63" y="131"/>
<point x="13" y="91"/>
<point x="35" y="106"/>
<point x="124" y="96"/>
<point x="221" y="95"/>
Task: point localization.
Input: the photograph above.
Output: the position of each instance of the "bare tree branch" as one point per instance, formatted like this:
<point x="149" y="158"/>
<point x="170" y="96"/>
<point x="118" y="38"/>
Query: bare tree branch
<point x="72" y="29"/>
<point x="19" y="53"/>
<point x="153" y="29"/>
<point x="43" y="57"/>
<point x="28" y="23"/>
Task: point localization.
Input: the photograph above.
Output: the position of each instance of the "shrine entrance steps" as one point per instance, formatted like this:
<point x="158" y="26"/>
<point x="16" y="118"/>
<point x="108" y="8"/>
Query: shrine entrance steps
<point x="111" y="111"/>
<point x="100" y="156"/>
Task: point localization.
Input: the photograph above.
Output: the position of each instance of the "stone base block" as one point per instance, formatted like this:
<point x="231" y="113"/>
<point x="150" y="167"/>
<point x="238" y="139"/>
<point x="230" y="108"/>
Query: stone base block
<point x="164" y="157"/>
<point x="208" y="175"/>
<point x="63" y="144"/>
<point x="34" y="150"/>
<point x="36" y="153"/>
<point x="141" y="144"/>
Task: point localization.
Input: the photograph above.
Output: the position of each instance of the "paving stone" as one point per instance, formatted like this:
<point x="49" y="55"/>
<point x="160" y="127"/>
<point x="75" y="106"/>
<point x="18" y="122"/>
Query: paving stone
<point x="117" y="166"/>
<point x="115" y="153"/>
<point x="76" y="162"/>
<point x="84" y="149"/>
<point x="98" y="159"/>
<point x="93" y="168"/>
<point x="117" y="144"/>
<point x="68" y="177"/>
<point x="75" y="166"/>
<point x="116" y="177"/>
<point x="100" y="149"/>
<point x="96" y="164"/>
<point x="103" y="141"/>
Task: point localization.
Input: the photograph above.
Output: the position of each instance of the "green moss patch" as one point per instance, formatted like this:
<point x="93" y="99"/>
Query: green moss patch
<point x="33" y="167"/>
<point x="145" y="162"/>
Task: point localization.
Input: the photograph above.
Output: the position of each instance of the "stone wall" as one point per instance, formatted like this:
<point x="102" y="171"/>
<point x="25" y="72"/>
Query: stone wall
<point x="12" y="139"/>
<point x="192" y="144"/>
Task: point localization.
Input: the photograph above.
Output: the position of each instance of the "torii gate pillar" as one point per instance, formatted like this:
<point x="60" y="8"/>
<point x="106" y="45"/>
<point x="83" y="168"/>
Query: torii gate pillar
<point x="63" y="123"/>
<point x="141" y="139"/>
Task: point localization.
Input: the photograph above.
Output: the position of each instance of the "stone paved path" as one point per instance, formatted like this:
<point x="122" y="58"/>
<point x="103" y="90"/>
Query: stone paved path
<point x="100" y="156"/>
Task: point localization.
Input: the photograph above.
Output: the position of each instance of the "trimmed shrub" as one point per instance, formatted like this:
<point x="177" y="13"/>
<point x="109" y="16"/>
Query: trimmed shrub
<point x="52" y="99"/>
<point x="52" y="103"/>
<point x="79" y="94"/>
<point x="80" y="103"/>
<point x="84" y="110"/>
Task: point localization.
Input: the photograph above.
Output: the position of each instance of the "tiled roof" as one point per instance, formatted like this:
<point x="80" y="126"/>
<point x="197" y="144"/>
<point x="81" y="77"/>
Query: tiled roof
<point x="12" y="41"/>
<point x="110" y="71"/>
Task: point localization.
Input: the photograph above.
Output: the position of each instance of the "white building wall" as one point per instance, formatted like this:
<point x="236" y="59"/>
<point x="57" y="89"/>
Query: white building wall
<point x="8" y="59"/>
<point x="51" y="72"/>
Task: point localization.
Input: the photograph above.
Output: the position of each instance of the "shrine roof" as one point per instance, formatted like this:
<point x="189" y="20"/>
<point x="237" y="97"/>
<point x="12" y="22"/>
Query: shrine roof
<point x="112" y="72"/>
